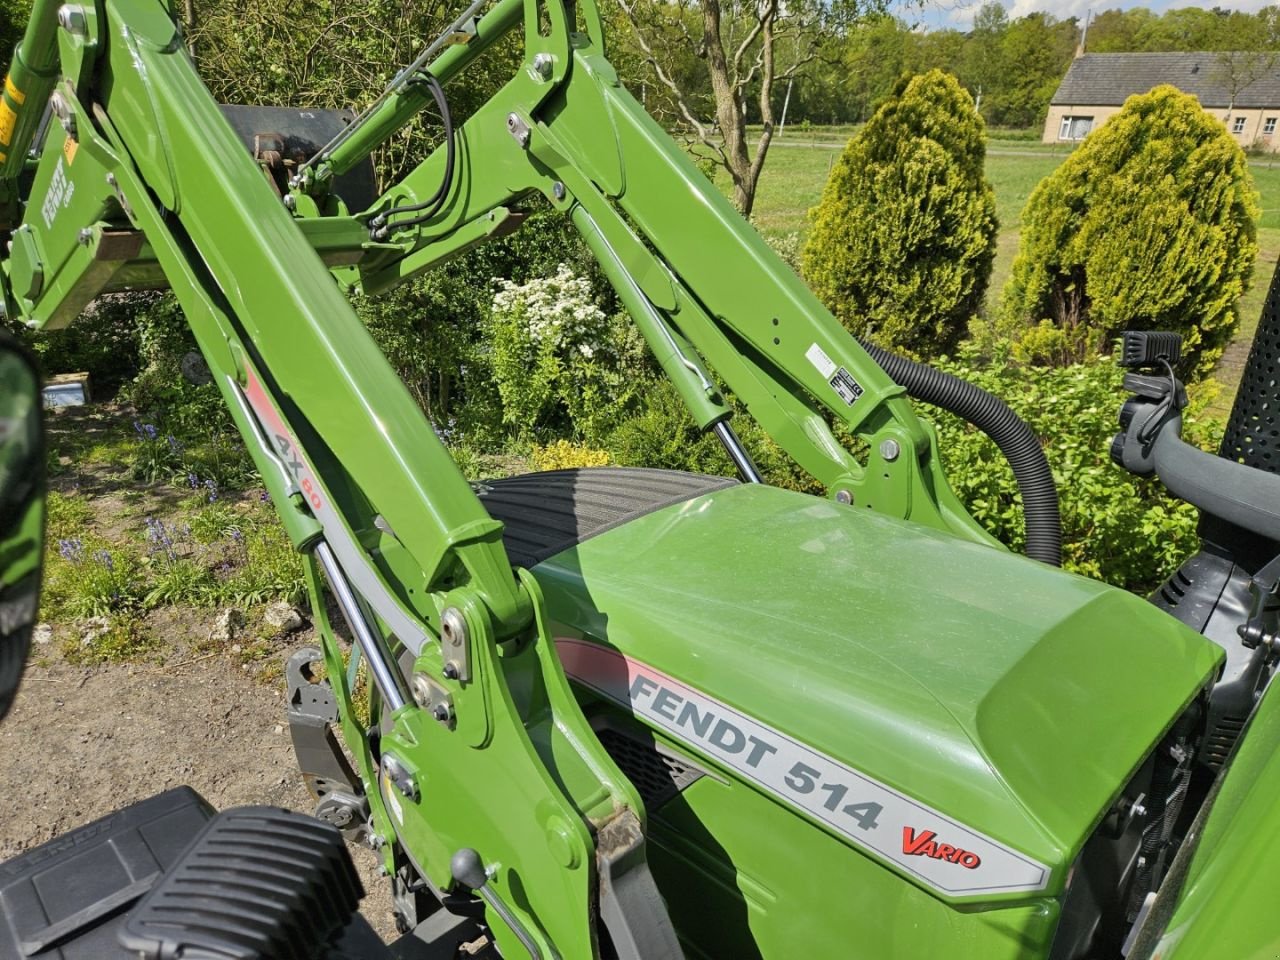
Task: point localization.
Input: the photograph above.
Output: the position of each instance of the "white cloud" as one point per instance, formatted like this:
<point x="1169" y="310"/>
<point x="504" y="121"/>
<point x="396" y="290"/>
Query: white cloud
<point x="1062" y="9"/>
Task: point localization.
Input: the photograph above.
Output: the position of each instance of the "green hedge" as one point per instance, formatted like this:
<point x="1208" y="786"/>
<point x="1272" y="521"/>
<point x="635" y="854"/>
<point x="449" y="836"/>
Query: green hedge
<point x="1116" y="527"/>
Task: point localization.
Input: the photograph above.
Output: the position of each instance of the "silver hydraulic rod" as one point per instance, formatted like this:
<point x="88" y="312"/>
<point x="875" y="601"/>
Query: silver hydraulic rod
<point x="737" y="452"/>
<point x="382" y="666"/>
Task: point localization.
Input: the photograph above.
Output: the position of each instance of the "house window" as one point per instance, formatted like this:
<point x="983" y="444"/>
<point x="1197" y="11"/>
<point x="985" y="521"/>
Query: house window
<point x="1075" y="128"/>
<point x="1269" y="126"/>
<point x="1237" y="125"/>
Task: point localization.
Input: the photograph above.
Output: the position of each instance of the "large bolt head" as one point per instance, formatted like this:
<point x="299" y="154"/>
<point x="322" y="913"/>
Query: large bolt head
<point x="421" y="690"/>
<point x="71" y="18"/>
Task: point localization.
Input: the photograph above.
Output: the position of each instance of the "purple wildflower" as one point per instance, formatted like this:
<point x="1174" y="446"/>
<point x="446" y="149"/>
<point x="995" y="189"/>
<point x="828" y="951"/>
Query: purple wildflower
<point x="212" y="487"/>
<point x="104" y="559"/>
<point x="174" y="445"/>
<point x="161" y="538"/>
<point x="193" y="481"/>
<point x="71" y="549"/>
<point x="265" y="497"/>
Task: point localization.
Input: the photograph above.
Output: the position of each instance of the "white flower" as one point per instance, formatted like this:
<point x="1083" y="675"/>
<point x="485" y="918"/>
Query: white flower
<point x="558" y="311"/>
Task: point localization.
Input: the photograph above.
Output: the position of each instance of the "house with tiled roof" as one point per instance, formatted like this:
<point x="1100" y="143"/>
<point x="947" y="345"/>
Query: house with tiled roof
<point x="1241" y="89"/>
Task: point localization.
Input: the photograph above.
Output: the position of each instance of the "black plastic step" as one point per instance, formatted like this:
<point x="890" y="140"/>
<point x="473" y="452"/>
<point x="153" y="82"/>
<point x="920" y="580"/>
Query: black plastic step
<point x="258" y="882"/>
<point x="66" y="899"/>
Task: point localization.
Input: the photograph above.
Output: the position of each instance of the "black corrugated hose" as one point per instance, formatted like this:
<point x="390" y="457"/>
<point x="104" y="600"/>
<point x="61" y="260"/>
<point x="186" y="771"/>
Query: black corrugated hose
<point x="1020" y="446"/>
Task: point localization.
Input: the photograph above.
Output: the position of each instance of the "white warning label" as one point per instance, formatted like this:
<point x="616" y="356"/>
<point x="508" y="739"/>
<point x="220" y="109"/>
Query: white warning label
<point x="821" y="362"/>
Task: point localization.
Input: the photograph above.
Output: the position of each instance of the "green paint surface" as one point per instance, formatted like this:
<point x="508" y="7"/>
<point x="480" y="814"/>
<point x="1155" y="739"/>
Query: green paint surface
<point x="1226" y="905"/>
<point x="1009" y="696"/>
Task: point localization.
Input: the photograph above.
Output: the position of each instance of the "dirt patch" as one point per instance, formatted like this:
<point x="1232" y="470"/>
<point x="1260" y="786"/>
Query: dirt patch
<point x="80" y="743"/>
<point x="176" y="705"/>
<point x="156" y="697"/>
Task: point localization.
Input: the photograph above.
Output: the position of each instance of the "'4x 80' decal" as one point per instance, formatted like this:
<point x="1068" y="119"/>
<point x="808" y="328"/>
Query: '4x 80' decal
<point x="279" y="442"/>
<point x="284" y="446"/>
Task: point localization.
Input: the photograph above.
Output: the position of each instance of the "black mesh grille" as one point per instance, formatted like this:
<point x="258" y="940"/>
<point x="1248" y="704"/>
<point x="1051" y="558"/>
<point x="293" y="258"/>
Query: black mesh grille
<point x="1253" y="432"/>
<point x="1252" y="436"/>
<point x="656" y="776"/>
<point x="545" y="513"/>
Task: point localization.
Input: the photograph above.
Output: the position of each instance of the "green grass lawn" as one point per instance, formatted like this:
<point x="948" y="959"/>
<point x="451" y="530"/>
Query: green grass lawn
<point x="797" y="170"/>
<point x="800" y="162"/>
<point x="791" y="183"/>
<point x="1013" y="177"/>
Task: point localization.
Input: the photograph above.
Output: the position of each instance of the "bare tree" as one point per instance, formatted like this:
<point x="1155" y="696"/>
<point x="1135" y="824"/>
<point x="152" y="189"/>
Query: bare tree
<point x="749" y="47"/>
<point x="1238" y="70"/>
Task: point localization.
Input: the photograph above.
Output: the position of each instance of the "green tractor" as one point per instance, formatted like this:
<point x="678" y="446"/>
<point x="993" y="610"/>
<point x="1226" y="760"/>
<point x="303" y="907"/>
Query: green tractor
<point x="630" y="714"/>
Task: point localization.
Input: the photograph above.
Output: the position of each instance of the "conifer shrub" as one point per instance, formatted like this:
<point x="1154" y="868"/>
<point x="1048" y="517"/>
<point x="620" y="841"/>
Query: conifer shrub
<point x="905" y="234"/>
<point x="1150" y="224"/>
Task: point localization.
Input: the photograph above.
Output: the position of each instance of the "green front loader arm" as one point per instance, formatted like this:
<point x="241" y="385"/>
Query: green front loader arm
<point x="700" y="283"/>
<point x="139" y="179"/>
<point x="139" y="164"/>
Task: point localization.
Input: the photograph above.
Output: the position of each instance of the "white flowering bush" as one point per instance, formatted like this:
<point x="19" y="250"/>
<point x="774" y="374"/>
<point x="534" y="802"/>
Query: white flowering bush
<point x="560" y="362"/>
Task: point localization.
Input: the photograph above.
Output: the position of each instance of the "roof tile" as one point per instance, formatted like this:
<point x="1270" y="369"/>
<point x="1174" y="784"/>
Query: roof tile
<point x="1108" y="79"/>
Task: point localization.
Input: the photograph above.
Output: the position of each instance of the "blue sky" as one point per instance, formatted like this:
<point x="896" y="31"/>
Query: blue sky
<point x="959" y="13"/>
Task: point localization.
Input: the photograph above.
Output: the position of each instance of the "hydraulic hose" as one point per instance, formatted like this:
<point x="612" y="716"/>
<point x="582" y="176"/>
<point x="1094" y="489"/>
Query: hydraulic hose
<point x="1020" y="446"/>
<point x="437" y="200"/>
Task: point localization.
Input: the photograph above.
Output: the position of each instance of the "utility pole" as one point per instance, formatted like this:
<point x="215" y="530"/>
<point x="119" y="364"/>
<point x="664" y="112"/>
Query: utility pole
<point x="1084" y="33"/>
<point x="785" y="102"/>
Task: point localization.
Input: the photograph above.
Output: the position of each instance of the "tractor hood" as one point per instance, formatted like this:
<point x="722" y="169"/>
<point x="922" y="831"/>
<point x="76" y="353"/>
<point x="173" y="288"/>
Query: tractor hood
<point x="960" y="712"/>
